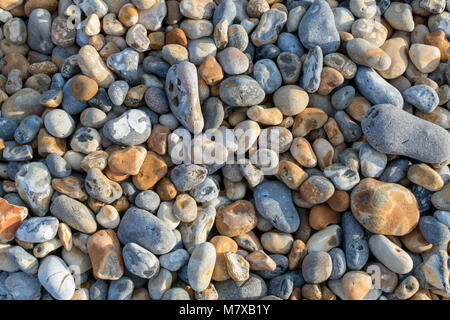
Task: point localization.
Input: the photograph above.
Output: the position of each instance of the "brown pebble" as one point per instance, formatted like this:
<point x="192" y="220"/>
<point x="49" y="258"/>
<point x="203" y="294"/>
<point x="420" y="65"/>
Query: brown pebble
<point x="322" y="215"/>
<point x="83" y="88"/>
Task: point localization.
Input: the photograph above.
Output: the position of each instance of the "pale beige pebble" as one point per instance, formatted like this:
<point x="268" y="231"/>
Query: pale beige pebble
<point x="165" y="214"/>
<point x="65" y="236"/>
<point x="92" y="65"/>
<point x="291" y="100"/>
<point x="308" y="120"/>
<point x="260" y="261"/>
<point x="324" y="152"/>
<point x="334" y="134"/>
<point x="365" y="53"/>
<point x="235" y="190"/>
<point x="185" y="208"/>
<point x="370" y="30"/>
<point x="265" y="116"/>
<point x="108" y="217"/>
<point x="415" y="242"/>
<point x="400" y="16"/>
<point x="291" y="174"/>
<point x="277" y="242"/>
<point x="356" y="284"/>
<point x="246" y="133"/>
<point x="311" y="292"/>
<point x="397" y="49"/>
<point x="237" y="267"/>
<point x="424" y="176"/>
<point x="424" y="57"/>
<point x="302" y="151"/>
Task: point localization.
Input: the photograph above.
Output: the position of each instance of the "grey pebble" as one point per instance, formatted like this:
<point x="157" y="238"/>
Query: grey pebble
<point x="140" y="261"/>
<point x="121" y="289"/>
<point x="355" y="243"/>
<point x="268" y="76"/>
<point x="434" y="231"/>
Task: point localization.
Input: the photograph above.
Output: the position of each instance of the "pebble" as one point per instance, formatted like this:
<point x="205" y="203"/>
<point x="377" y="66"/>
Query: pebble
<point x="434" y="231"/>
<point x="310" y="34"/>
<point x="396" y="214"/>
<point x="201" y="265"/>
<point x="274" y="202"/>
<point x="267" y="75"/>
<point x="391" y="255"/>
<point x="422" y="97"/>
<point x="133" y="228"/>
<point x="73" y="213"/>
<point x="270" y="24"/>
<point x="435" y="148"/>
<point x="317" y="267"/>
<point x="131" y="128"/>
<point x="140" y="261"/>
<point x="56" y="278"/>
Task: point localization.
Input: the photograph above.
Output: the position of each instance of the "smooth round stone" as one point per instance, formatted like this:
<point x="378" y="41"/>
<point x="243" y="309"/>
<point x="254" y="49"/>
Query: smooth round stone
<point x="195" y="29"/>
<point x="423" y="97"/>
<point x="385" y="208"/>
<point x="269" y="26"/>
<point x="424" y="57"/>
<point x="175" y="260"/>
<point x="316" y="189"/>
<point x="342" y="97"/>
<point x="339" y="265"/>
<point x="425" y="177"/>
<point x="85" y="140"/>
<point x="312" y="70"/>
<point x="56" y="278"/>
<point x="23" y="286"/>
<point x="395" y="170"/>
<point x="443" y="217"/>
<point x="33" y="186"/>
<point x="317" y="28"/>
<point x="356" y="285"/>
<point x="363" y="8"/>
<point x="434" y="231"/>
<point x="22" y="104"/>
<point x="8" y="128"/>
<point x="59" y="123"/>
<point x="25" y="132"/>
<point x="343" y="18"/>
<point x="93" y="118"/>
<point x="185" y="177"/>
<point x="287" y="42"/>
<point x="372" y="162"/>
<point x="281" y="264"/>
<point x="253" y="289"/>
<point x="291" y="100"/>
<point x="199" y="49"/>
<point x="134" y="226"/>
<point x="201" y="265"/>
<point x="140" y="261"/>
<point x="355" y="243"/>
<point x="396" y="48"/>
<point x="389" y="130"/>
<point x="365" y="53"/>
<point x="15" y="31"/>
<point x="176" y="294"/>
<point x="233" y="61"/>
<point x="156" y="100"/>
<point x="37" y="229"/>
<point x="70" y="104"/>
<point x="117" y="92"/>
<point x="147" y="200"/>
<point x="39" y="31"/>
<point x="375" y="89"/>
<point x="121" y="289"/>
<point x="267" y="51"/>
<point x="241" y="91"/>
<point x="131" y="128"/>
<point x="205" y="191"/>
<point x="317" y="267"/>
<point x="237" y="37"/>
<point x="57" y="166"/>
<point x="273" y="201"/>
<point x="289" y="65"/>
<point x="343" y="178"/>
<point x="325" y="239"/>
<point x="400" y="16"/>
<point x="391" y="255"/>
<point x="213" y="113"/>
<point x="440" y="199"/>
<point x="267" y="75"/>
<point x="407" y="288"/>
<point x="182" y="92"/>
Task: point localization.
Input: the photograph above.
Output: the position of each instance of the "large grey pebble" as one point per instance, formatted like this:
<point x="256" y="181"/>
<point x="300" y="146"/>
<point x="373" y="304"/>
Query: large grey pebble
<point x="273" y="201"/>
<point x="135" y="226"/>
<point x="140" y="261"/>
